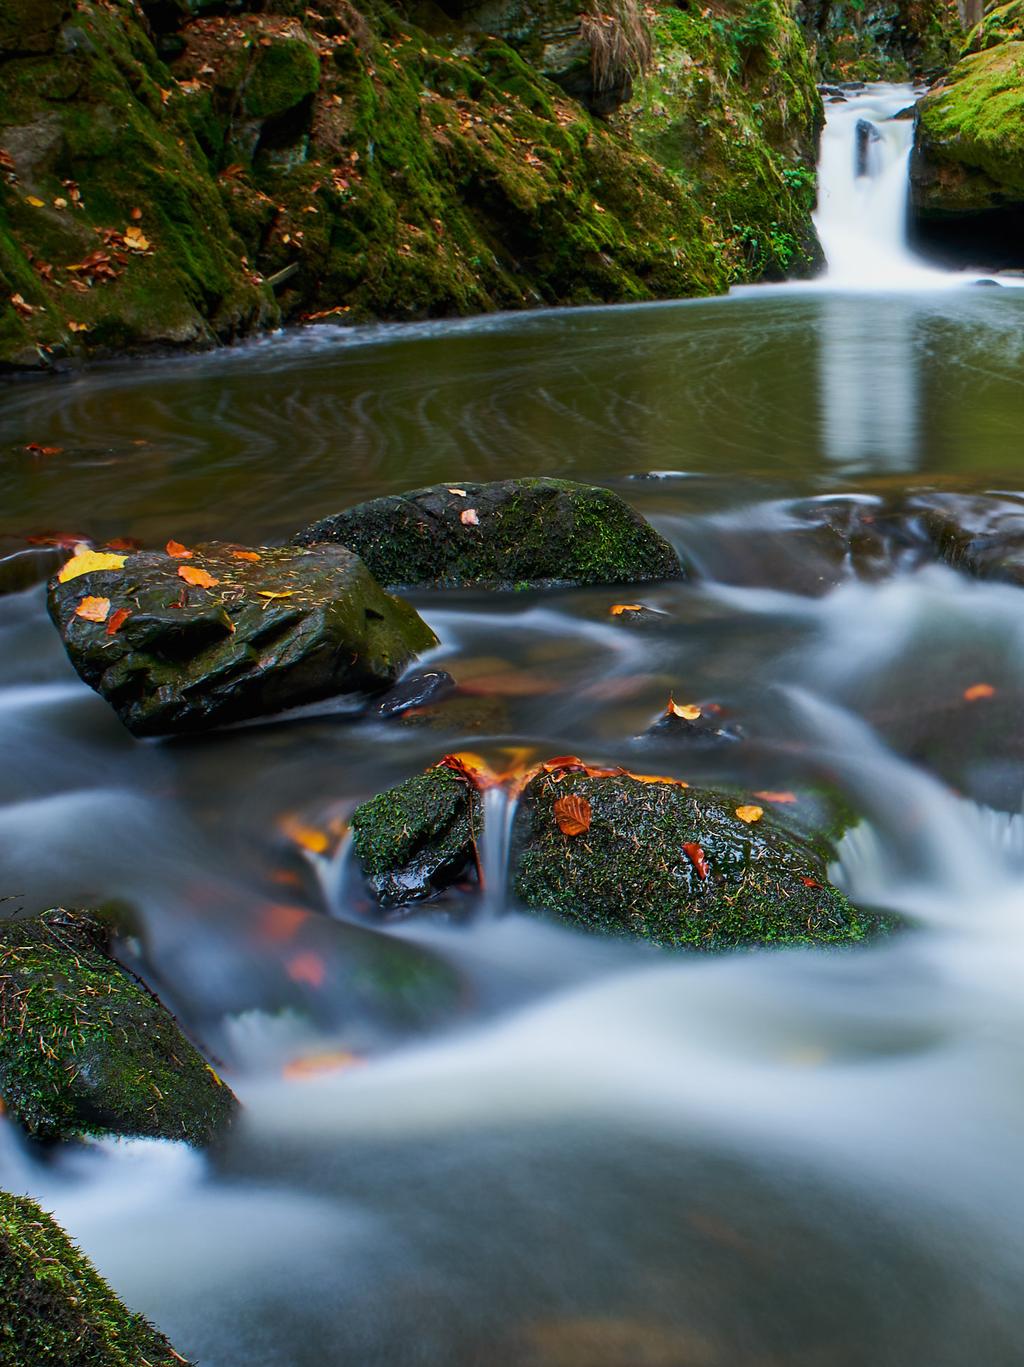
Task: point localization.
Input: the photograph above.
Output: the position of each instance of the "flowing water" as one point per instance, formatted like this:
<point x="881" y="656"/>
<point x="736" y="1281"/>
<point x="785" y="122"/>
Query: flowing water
<point x="473" y="1137"/>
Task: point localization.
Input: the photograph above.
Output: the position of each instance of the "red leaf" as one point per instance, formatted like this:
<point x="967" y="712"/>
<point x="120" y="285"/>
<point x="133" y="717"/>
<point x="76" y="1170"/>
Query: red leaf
<point x="117" y="621"/>
<point x="177" y="551"/>
<point x="695" y="854"/>
<point x="572" y="813"/>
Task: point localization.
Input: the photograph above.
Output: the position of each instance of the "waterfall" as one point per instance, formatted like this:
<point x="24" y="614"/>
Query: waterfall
<point x="863" y="189"/>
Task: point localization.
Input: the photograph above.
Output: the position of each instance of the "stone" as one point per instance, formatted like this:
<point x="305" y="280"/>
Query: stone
<point x="55" y="1308"/>
<point x="276" y="628"/>
<point x="515" y="533"/>
<point x="86" y="1049"/>
<point x="630" y="873"/>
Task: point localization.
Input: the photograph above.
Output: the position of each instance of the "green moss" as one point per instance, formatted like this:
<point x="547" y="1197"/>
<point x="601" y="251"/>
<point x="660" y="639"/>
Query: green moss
<point x="86" y="1049"/>
<point x="55" y="1308"/>
<point x="283" y="75"/>
<point x="884" y="40"/>
<point x="419" y="837"/>
<point x="629" y="873"/>
<point x="525" y="532"/>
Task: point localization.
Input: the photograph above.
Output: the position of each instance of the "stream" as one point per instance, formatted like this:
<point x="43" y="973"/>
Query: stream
<point x="472" y="1137"/>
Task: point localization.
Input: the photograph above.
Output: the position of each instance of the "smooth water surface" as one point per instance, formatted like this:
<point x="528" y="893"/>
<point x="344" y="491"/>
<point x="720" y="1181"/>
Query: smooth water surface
<point x="473" y="1137"/>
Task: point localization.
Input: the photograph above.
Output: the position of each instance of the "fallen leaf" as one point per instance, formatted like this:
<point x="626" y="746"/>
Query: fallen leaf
<point x="688" y="711"/>
<point x="177" y="551"/>
<point x="269" y="593"/>
<point x="123" y="543"/>
<point x="86" y="561"/>
<point x="117" y="621"/>
<point x="769" y="796"/>
<point x="617" y="609"/>
<point x="695" y="854"/>
<point x="572" y="813"/>
<point x="307" y="968"/>
<point x="468" y="517"/>
<point x="476" y="771"/>
<point x="25" y="310"/>
<point x="750" y="814"/>
<point x="977" y="691"/>
<point x="6" y="161"/>
<point x="78" y="327"/>
<point x="93" y="609"/>
<point x="38" y="450"/>
<point x="810" y="882"/>
<point x="193" y="575"/>
<point x="461" y="492"/>
<point x="246" y="555"/>
<point x="34" y="201"/>
<point x="310" y="1065"/>
<point x="136" y="240"/>
<point x="136" y="215"/>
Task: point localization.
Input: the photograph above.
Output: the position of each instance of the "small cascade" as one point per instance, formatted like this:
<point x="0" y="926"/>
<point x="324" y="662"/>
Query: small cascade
<point x="863" y="189"/>
<point x="495" y="843"/>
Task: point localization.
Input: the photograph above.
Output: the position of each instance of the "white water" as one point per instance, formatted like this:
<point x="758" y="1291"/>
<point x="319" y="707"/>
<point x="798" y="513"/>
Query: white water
<point x="863" y="189"/>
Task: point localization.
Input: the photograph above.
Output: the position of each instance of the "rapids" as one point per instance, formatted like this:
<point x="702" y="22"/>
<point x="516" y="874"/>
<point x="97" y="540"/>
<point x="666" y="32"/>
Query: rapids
<point x="587" y="1154"/>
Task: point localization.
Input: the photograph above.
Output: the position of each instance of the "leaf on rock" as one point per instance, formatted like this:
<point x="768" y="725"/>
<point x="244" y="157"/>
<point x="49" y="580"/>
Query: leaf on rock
<point x="688" y="711"/>
<point x="810" y="882"/>
<point x="468" y="517"/>
<point x="695" y="854"/>
<point x="136" y="240"/>
<point x="192" y="574"/>
<point x="272" y="593"/>
<point x="475" y="770"/>
<point x="750" y="814"/>
<point x="572" y="813"/>
<point x="123" y="543"/>
<point x="117" y="621"/>
<point x="254" y="556"/>
<point x="978" y="691"/>
<point x="177" y="551"/>
<point x="86" y="561"/>
<point x="617" y="609"/>
<point x="93" y="609"/>
<point x="461" y="492"/>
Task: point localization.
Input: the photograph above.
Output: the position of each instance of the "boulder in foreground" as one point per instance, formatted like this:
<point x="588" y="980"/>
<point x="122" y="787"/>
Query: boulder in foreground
<point x="508" y="534"/>
<point x="87" y="1049"/>
<point x="679" y="866"/>
<point x="185" y="641"/>
<point x="55" y="1308"/>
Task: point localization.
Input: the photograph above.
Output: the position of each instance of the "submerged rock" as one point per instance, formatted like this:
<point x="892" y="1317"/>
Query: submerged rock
<point x="513" y="533"/>
<point x="418" y="838"/>
<point x="220" y="635"/>
<point x="55" y="1308"/>
<point x="87" y="1049"/>
<point x="673" y="865"/>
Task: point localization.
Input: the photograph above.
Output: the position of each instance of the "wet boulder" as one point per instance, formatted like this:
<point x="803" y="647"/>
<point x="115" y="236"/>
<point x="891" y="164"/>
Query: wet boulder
<point x="181" y="643"/>
<point x="418" y="838"/>
<point x="513" y="533"/>
<point x="31" y="26"/>
<point x="678" y="866"/>
<point x="56" y="1308"/>
<point x="982" y="534"/>
<point x="87" y="1049"/>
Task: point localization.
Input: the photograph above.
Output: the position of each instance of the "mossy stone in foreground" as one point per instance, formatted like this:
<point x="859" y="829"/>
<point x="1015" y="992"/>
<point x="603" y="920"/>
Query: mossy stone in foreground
<point x="630" y="874"/>
<point x="86" y="1049"/>
<point x="253" y="633"/>
<point x="419" y="837"/>
<point x="55" y="1308"/>
<point x="506" y="534"/>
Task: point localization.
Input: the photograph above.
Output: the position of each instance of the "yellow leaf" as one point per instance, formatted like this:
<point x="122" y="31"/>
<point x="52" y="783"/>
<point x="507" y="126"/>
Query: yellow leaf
<point x="86" y="562"/>
<point x="269" y="593"/>
<point x="136" y="239"/>
<point x="36" y="203"/>
<point x="617" y="609"/>
<point x="93" y="609"/>
<point x="750" y="814"/>
<point x="687" y="710"/>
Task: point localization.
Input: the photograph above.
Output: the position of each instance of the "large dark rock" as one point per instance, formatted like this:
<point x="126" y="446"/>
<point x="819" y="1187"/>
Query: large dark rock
<point x="982" y="534"/>
<point x="85" y="1048"/>
<point x="31" y="26"/>
<point x="418" y="838"/>
<point x="55" y="1308"/>
<point x="275" y="628"/>
<point x="630" y="872"/>
<point x="507" y="534"/>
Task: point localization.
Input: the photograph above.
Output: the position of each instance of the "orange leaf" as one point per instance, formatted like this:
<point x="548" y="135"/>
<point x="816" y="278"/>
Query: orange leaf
<point x="572" y="813"/>
<point x="769" y="796"/>
<point x="617" y="609"/>
<point x="695" y="854"/>
<point x="93" y="609"/>
<point x="570" y="763"/>
<point x="476" y="771"/>
<point x="246" y="555"/>
<point x="177" y="551"/>
<point x="979" y="690"/>
<point x="750" y="814"/>
<point x="468" y="517"/>
<point x="117" y="621"/>
<point x="688" y="711"/>
<point x="38" y="450"/>
<point x="193" y="575"/>
<point x="810" y="882"/>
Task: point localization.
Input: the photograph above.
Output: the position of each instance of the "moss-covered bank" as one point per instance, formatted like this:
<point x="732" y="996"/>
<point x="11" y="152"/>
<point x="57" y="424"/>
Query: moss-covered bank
<point x="86" y="1049"/>
<point x="55" y="1308"/>
<point x="882" y="40"/>
<point x="178" y="174"/>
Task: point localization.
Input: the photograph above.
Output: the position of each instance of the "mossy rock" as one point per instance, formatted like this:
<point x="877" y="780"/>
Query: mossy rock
<point x="1003" y="24"/>
<point x="503" y="535"/>
<point x="260" y="631"/>
<point x="969" y="144"/>
<point x="86" y="1049"/>
<point x="285" y="72"/>
<point x="629" y="874"/>
<point x="31" y="26"/>
<point x="418" y="838"/>
<point x="55" y="1308"/>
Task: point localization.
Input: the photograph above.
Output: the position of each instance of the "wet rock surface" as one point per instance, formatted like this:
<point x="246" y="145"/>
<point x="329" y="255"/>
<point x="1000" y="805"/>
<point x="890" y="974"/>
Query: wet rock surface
<point x="503" y="535"/>
<point x="56" y="1308"/>
<point x="87" y="1049"/>
<point x="419" y="837"/>
<point x="225" y="634"/>
<point x="676" y="866"/>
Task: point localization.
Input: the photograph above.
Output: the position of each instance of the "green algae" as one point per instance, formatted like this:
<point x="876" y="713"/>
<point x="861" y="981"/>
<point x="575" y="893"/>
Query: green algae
<point x="86" y="1049"/>
<point x="55" y="1308"/>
